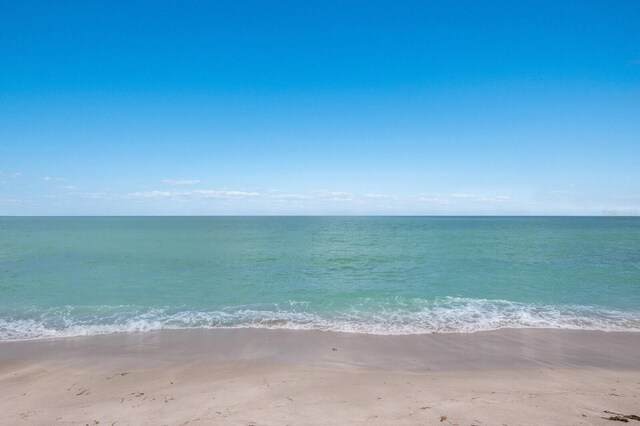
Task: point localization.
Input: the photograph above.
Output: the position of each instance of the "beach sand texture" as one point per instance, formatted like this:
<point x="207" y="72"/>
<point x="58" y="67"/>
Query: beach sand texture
<point x="278" y="377"/>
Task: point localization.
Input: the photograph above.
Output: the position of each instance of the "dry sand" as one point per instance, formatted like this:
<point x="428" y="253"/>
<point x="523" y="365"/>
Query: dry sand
<point x="256" y="377"/>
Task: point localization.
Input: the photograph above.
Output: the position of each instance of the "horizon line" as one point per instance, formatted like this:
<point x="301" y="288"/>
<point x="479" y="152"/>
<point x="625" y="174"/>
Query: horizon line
<point x="327" y="215"/>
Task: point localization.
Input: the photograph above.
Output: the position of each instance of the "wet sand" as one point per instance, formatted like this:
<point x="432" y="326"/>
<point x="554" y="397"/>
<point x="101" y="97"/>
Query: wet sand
<point x="223" y="376"/>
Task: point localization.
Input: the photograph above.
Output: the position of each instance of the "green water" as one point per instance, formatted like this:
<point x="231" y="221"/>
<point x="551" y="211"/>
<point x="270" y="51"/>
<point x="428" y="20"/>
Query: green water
<point x="87" y="275"/>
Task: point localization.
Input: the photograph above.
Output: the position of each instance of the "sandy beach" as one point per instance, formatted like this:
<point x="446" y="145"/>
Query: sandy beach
<point x="262" y="377"/>
<point x="320" y="213"/>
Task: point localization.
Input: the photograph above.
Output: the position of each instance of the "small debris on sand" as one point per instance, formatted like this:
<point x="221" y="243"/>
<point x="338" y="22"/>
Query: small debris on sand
<point x="624" y="418"/>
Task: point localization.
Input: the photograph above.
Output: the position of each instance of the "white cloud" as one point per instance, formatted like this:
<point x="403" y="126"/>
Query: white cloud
<point x="464" y="196"/>
<point x="4" y="175"/>
<point x="15" y="201"/>
<point x="432" y="198"/>
<point x="99" y="195"/>
<point x="561" y="192"/>
<point x="289" y="197"/>
<point x="220" y="193"/>
<point x="52" y="178"/>
<point x="150" y="194"/>
<point x="335" y="195"/>
<point x="376" y="196"/>
<point x="180" y="182"/>
<point x="10" y="174"/>
<point x="196" y="193"/>
<point x="69" y="187"/>
<point x="473" y="197"/>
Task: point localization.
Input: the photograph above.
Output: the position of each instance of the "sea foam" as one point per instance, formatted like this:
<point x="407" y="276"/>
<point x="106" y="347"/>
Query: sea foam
<point x="396" y="316"/>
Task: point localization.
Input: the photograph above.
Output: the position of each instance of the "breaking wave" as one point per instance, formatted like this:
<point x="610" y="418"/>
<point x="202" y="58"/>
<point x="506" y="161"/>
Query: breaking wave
<point x="393" y="317"/>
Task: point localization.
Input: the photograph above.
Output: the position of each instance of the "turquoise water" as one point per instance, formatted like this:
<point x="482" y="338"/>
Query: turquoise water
<point x="388" y="275"/>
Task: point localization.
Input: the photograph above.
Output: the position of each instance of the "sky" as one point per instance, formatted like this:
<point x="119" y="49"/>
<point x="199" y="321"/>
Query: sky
<point x="319" y="107"/>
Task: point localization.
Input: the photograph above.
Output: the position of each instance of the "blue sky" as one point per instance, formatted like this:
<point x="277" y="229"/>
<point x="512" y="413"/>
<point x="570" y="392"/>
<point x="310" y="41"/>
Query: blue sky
<point x="326" y="107"/>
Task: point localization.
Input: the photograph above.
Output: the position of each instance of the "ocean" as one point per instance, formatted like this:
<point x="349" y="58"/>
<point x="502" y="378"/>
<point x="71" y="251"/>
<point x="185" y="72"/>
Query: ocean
<point x="73" y="276"/>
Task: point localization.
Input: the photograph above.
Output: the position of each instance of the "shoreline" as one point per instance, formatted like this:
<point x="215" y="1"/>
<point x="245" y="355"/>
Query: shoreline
<point x="261" y="376"/>
<point x="243" y="328"/>
<point x="504" y="348"/>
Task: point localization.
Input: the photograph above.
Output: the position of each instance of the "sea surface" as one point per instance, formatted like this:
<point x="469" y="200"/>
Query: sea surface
<point x="71" y="276"/>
